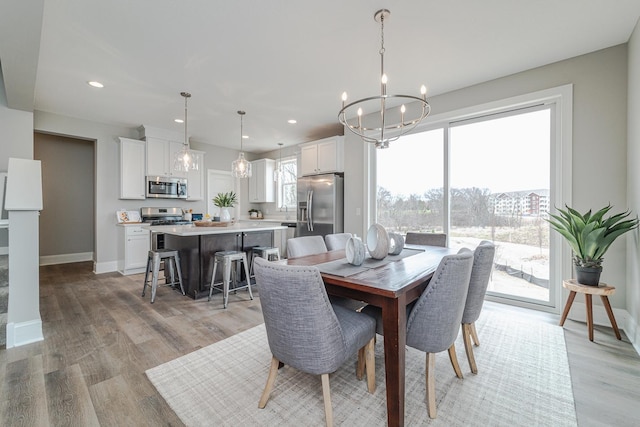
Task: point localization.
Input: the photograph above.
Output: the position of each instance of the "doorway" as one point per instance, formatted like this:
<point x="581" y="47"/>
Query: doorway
<point x="67" y="230"/>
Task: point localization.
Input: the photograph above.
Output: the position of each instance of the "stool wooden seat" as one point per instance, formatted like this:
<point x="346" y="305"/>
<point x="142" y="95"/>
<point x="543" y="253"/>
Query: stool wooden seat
<point x="227" y="259"/>
<point x="603" y="290"/>
<point x="153" y="267"/>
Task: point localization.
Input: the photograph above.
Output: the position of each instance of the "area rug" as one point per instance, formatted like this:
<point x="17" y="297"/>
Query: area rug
<point x="523" y="380"/>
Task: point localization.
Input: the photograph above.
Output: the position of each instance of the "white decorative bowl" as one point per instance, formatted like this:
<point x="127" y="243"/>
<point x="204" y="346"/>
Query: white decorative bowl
<point x="355" y="251"/>
<point x="396" y="243"/>
<point x="377" y="241"/>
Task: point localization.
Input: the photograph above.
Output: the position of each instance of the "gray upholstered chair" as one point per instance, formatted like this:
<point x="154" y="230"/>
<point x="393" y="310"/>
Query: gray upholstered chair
<point x="306" y="332"/>
<point x="482" y="265"/>
<point x="433" y="321"/>
<point x="431" y="239"/>
<point x="306" y="245"/>
<point x="337" y="241"/>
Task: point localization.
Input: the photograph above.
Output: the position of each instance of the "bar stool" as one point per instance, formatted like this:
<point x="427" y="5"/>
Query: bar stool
<point x="153" y="265"/>
<point x="228" y="258"/>
<point x="266" y="252"/>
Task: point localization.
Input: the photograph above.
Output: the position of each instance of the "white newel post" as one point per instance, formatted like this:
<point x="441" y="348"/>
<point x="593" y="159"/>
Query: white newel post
<point x="23" y="202"/>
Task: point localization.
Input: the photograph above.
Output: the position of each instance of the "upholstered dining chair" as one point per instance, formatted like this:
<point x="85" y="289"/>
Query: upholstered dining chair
<point x="305" y="245"/>
<point x="433" y="321"/>
<point x="306" y="332"/>
<point x="337" y="241"/>
<point x="431" y="239"/>
<point x="481" y="272"/>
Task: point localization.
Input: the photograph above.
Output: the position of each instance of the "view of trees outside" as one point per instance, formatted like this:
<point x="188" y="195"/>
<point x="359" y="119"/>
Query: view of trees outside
<point x="287" y="184"/>
<point x="499" y="191"/>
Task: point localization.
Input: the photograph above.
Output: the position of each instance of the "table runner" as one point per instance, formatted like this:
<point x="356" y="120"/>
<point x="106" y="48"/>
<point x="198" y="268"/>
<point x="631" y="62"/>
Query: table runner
<point x="342" y="268"/>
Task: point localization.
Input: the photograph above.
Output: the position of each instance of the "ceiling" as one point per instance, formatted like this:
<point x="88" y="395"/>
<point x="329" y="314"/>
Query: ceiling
<point x="278" y="59"/>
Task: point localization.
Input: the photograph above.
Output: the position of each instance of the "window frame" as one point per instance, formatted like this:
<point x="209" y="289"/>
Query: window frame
<point x="280" y="184"/>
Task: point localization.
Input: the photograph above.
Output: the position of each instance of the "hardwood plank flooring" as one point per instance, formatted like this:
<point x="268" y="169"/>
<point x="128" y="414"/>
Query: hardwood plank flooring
<point x="101" y="336"/>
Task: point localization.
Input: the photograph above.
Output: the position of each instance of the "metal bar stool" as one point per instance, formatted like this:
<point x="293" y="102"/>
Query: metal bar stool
<point x="266" y="252"/>
<point x="153" y="265"/>
<point x="228" y="258"/>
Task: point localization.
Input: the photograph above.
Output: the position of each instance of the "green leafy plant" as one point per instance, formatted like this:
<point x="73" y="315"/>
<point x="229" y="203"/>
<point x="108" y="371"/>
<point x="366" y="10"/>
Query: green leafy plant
<point x="225" y="200"/>
<point x="590" y="235"/>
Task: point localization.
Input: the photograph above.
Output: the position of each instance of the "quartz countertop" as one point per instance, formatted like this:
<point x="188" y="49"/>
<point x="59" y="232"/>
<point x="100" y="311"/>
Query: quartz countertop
<point x="192" y="230"/>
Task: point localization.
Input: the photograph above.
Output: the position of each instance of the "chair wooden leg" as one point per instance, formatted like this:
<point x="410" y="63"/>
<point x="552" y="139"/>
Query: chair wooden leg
<point x="271" y="379"/>
<point x="431" y="384"/>
<point x="466" y="337"/>
<point x="326" y="396"/>
<point x="361" y="364"/>
<point x="454" y="361"/>
<point x="474" y="335"/>
<point x="370" y="356"/>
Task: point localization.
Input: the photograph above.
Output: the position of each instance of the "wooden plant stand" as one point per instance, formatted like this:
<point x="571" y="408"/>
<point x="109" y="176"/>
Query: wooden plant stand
<point x="603" y="290"/>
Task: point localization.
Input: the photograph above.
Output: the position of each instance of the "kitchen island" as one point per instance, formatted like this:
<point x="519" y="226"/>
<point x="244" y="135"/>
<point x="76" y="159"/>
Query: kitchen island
<point x="196" y="245"/>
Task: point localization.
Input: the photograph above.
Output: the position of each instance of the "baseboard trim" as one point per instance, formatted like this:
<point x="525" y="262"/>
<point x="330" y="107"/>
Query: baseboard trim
<point x="24" y="333"/>
<point x="105" y="267"/>
<point x="66" y="258"/>
<point x="632" y="329"/>
<point x="4" y="250"/>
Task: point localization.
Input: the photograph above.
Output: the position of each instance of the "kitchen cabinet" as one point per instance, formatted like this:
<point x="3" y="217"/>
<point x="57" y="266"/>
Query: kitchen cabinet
<point x="195" y="179"/>
<point x="160" y="153"/>
<point x="132" y="169"/>
<point x="262" y="188"/>
<point x="133" y="249"/>
<point x="323" y="156"/>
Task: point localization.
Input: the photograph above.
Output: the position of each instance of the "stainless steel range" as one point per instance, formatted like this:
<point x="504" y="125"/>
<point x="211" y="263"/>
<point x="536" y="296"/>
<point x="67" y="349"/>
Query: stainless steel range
<point x="161" y="216"/>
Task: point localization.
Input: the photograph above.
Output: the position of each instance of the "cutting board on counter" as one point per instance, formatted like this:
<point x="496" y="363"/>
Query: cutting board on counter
<point x="211" y="224"/>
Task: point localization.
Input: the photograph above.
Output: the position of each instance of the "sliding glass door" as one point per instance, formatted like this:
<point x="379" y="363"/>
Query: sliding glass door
<point x="499" y="191"/>
<point x="485" y="178"/>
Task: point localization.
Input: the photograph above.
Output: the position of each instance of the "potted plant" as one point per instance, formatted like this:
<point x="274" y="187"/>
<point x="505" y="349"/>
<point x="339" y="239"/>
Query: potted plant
<point x="225" y="201"/>
<point x="589" y="236"/>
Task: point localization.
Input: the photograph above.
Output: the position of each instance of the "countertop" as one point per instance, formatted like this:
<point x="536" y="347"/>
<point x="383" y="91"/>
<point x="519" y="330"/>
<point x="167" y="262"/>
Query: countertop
<point x="192" y="230"/>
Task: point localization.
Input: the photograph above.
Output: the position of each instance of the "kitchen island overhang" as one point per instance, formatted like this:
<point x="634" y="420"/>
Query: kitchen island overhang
<point x="196" y="246"/>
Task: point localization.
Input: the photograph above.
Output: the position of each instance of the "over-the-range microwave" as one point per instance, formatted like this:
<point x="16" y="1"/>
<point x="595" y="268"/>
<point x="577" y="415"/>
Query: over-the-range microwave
<point x="163" y="187"/>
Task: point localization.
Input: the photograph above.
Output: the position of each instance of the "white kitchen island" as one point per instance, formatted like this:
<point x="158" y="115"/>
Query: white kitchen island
<point x="196" y="245"/>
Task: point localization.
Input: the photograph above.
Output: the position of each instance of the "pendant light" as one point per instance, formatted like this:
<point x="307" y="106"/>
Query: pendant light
<point x="385" y="122"/>
<point x="185" y="159"/>
<point x="241" y="168"/>
<point x="279" y="172"/>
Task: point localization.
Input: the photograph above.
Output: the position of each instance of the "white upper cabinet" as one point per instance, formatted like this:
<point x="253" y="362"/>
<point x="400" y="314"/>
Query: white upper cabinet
<point x="323" y="156"/>
<point x="160" y="153"/>
<point x="262" y="188"/>
<point x="195" y="179"/>
<point x="132" y="169"/>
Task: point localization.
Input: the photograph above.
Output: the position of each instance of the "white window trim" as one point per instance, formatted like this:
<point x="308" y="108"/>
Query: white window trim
<point x="279" y="205"/>
<point x="561" y="99"/>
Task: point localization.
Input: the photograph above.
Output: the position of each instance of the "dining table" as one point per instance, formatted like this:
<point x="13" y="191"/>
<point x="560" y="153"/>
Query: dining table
<point x="391" y="284"/>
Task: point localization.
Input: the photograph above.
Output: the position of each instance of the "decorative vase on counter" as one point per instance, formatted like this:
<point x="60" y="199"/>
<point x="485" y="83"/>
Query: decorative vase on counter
<point x="225" y="216"/>
<point x="377" y="241"/>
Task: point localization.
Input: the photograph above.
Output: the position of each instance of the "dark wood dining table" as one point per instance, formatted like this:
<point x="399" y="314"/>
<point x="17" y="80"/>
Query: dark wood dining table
<point x="390" y="287"/>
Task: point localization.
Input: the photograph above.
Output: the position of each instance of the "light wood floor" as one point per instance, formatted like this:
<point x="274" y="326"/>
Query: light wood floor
<point x="101" y="336"/>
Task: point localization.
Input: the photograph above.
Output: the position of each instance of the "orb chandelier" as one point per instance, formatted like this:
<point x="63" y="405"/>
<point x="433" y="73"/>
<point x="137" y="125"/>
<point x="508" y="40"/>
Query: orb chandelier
<point x="241" y="167"/>
<point x="185" y="159"/>
<point x="389" y="122"/>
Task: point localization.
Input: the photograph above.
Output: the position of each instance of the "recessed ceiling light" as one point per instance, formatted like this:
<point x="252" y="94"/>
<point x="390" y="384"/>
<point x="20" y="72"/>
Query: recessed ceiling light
<point x="245" y="136"/>
<point x="178" y="120"/>
<point x="95" y="84"/>
<point x="292" y="121"/>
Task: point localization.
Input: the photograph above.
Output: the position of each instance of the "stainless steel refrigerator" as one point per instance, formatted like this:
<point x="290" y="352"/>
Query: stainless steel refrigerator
<point x="320" y="205"/>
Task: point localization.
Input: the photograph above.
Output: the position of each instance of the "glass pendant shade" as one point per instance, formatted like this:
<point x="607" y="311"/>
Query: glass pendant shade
<point x="241" y="167"/>
<point x="185" y="160"/>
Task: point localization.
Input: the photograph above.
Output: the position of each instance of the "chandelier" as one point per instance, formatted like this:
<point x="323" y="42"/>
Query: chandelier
<point x="241" y="167"/>
<point x="389" y="122"/>
<point x="185" y="159"/>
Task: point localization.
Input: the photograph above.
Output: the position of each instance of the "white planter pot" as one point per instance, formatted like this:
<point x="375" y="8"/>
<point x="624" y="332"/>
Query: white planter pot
<point x="225" y="216"/>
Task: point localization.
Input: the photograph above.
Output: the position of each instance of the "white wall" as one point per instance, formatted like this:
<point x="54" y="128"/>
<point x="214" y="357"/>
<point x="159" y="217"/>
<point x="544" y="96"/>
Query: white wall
<point x="633" y="187"/>
<point x="599" y="138"/>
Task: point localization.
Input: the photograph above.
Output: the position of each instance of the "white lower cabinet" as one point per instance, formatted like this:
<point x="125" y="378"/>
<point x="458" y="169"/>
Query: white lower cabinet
<point x="133" y="249"/>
